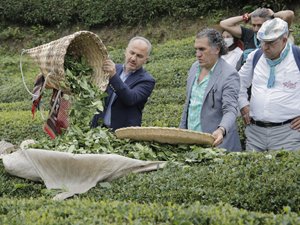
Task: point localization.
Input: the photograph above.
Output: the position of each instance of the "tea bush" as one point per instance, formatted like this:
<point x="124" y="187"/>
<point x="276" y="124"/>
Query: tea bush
<point x="265" y="182"/>
<point x="43" y="211"/>
<point x="256" y="182"/>
<point x="162" y="115"/>
<point x="15" y="106"/>
<point x="170" y="73"/>
<point x="182" y="193"/>
<point x="11" y="84"/>
<point x="99" y="13"/>
<point x="17" y="126"/>
<point x="164" y="96"/>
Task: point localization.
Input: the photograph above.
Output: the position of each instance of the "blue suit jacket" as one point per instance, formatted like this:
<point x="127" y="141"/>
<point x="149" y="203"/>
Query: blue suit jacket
<point x="130" y="98"/>
<point x="220" y="103"/>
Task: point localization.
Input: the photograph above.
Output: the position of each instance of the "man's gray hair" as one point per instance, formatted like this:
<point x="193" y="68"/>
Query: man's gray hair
<point x="262" y="13"/>
<point x="215" y="39"/>
<point x="144" y="40"/>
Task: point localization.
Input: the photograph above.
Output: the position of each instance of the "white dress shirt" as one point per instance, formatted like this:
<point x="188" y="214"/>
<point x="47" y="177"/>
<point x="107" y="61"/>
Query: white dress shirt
<point x="276" y="104"/>
<point x="107" y="116"/>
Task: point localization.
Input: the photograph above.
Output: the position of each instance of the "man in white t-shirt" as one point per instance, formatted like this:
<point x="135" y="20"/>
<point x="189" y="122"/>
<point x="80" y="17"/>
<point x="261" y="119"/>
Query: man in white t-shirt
<point x="273" y="114"/>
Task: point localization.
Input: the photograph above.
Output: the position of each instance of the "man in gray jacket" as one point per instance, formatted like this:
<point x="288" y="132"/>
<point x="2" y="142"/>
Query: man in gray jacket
<point x="211" y="104"/>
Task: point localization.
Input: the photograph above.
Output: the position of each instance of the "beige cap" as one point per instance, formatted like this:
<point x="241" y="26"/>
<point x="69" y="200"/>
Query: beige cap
<point x="272" y="29"/>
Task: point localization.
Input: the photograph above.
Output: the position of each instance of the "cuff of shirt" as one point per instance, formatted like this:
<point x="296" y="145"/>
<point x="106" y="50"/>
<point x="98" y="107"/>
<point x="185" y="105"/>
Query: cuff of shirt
<point x="243" y="102"/>
<point x="223" y="130"/>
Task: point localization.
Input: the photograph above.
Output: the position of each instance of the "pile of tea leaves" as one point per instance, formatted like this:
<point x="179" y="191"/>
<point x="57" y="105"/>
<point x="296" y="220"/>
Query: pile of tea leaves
<point x="86" y="98"/>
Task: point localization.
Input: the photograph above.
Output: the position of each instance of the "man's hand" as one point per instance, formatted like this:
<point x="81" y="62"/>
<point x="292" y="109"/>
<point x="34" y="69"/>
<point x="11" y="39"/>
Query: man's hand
<point x="218" y="135"/>
<point x="271" y="12"/>
<point x="295" y="124"/>
<point x="245" y="114"/>
<point x="109" y="67"/>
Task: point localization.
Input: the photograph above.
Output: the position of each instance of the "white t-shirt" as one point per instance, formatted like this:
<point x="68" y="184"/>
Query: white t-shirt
<point x="232" y="57"/>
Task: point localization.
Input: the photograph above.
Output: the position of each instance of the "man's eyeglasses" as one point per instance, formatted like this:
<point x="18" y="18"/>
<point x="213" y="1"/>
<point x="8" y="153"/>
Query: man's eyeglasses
<point x="270" y="43"/>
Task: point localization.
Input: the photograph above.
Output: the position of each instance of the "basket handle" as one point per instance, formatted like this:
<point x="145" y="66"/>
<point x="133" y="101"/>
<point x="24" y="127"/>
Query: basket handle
<point x="23" y="78"/>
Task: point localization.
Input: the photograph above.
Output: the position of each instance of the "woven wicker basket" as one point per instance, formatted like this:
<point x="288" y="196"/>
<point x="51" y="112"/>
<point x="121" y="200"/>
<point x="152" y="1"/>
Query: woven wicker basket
<point x="50" y="58"/>
<point x="168" y="135"/>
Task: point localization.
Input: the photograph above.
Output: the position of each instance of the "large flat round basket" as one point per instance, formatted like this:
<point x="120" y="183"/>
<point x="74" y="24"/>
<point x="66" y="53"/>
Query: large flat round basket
<point x="168" y="135"/>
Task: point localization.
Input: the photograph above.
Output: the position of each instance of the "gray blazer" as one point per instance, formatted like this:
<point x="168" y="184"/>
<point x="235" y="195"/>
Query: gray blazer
<point x="220" y="104"/>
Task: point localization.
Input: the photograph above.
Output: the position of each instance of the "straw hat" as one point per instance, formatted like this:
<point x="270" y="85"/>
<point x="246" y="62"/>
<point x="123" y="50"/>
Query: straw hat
<point x="168" y="135"/>
<point x="50" y="58"/>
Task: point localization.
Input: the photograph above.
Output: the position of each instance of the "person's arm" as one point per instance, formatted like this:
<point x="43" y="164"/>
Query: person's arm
<point x="218" y="134"/>
<point x="129" y="96"/>
<point x="232" y="25"/>
<point x="109" y="67"/>
<point x="230" y="92"/>
<point x="135" y="95"/>
<point x="295" y="124"/>
<point x="286" y="15"/>
<point x="245" y="112"/>
<point x="246" y="76"/>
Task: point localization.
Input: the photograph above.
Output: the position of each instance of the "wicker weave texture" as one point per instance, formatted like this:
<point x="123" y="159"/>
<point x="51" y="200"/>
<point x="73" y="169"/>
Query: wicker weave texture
<point x="50" y="58"/>
<point x="168" y="135"/>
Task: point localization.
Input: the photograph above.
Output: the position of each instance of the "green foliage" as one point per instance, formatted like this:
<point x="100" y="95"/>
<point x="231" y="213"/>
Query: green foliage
<point x="181" y="193"/>
<point x="11" y="84"/>
<point x="296" y="33"/>
<point x="15" y="106"/>
<point x="241" y="129"/>
<point x="174" y="49"/>
<point x="275" y="5"/>
<point x="256" y="182"/>
<point x="85" y="98"/>
<point x="99" y="140"/>
<point x="43" y="211"/>
<point x="99" y="13"/>
<point x="11" y="33"/>
<point x="39" y="12"/>
<point x="165" y="96"/>
<point x="162" y="115"/>
<point x="117" y="55"/>
<point x="39" y="35"/>
<point x="265" y="182"/>
<point x="171" y="73"/>
<point x="14" y="187"/>
<point x="17" y="126"/>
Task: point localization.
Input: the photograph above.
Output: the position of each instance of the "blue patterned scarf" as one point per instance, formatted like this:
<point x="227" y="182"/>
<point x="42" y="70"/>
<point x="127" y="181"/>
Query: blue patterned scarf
<point x="246" y="52"/>
<point x="274" y="63"/>
<point x="256" y="41"/>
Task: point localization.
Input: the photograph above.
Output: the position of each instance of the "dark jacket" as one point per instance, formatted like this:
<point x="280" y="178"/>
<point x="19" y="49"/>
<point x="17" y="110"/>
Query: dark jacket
<point x="130" y="98"/>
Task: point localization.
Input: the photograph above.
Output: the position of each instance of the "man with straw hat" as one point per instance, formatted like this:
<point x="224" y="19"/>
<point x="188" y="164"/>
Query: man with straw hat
<point x="211" y="104"/>
<point x="129" y="87"/>
<point x="273" y="114"/>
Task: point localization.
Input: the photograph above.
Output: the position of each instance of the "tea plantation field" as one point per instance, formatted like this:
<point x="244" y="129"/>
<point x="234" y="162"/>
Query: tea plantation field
<point x="198" y="186"/>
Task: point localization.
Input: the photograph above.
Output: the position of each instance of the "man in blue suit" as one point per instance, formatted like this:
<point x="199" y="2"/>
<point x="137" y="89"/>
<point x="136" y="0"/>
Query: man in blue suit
<point x="129" y="87"/>
<point x="213" y="85"/>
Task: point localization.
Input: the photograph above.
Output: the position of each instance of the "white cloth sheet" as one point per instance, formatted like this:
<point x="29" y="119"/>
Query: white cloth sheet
<point x="72" y="173"/>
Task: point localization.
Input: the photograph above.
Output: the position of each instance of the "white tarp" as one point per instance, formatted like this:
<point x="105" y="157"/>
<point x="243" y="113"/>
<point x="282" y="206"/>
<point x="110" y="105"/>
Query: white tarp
<point x="6" y="148"/>
<point x="72" y="173"/>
